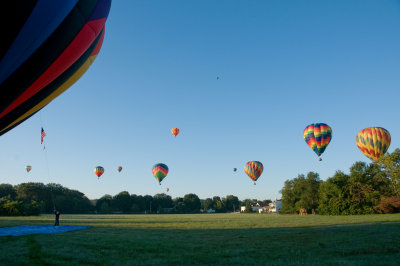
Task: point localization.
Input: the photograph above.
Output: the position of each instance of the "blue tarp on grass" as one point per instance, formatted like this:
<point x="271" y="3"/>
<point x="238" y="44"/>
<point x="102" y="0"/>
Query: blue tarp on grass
<point x="39" y="229"/>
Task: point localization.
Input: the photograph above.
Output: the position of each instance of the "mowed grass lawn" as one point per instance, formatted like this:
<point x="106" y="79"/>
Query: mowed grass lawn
<point x="224" y="239"/>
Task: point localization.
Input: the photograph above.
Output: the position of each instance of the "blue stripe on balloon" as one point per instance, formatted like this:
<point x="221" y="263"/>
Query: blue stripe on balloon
<point x="101" y="11"/>
<point x="46" y="16"/>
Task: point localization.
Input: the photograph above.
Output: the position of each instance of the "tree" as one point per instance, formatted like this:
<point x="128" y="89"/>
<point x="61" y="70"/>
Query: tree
<point x="192" y="203"/>
<point x="390" y="169"/>
<point x="248" y="208"/>
<point x="301" y="192"/>
<point x="218" y="204"/>
<point x="122" y="202"/>
<point x="161" y="201"/>
<point x="207" y="204"/>
<point x="103" y="204"/>
<point x="7" y="190"/>
<point x="231" y="203"/>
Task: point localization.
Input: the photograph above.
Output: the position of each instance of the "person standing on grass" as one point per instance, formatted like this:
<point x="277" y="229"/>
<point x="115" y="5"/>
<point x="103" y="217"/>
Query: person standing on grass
<point x="57" y="213"/>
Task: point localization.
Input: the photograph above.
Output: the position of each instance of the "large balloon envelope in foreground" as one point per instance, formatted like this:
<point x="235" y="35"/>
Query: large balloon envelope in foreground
<point x="160" y="171"/>
<point x="317" y="137"/>
<point x="254" y="170"/>
<point x="47" y="46"/>
<point x="373" y="142"/>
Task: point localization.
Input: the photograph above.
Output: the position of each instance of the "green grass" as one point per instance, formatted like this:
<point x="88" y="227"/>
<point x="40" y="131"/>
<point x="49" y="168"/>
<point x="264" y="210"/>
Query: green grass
<point x="208" y="239"/>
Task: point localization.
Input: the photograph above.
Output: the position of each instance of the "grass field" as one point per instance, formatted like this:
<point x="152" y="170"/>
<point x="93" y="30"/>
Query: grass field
<point x="208" y="239"/>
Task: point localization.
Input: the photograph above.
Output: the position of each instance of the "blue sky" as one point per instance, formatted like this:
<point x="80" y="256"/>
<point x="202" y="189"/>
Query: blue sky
<point x="281" y="66"/>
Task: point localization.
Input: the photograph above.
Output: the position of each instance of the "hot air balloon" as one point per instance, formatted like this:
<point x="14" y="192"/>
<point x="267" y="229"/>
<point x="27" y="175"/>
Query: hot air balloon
<point x="175" y="131"/>
<point x="317" y="136"/>
<point x="167" y="189"/>
<point x="254" y="169"/>
<point x="373" y="142"/>
<point x="99" y="170"/>
<point x="28" y="168"/>
<point x="46" y="48"/>
<point x="160" y="171"/>
<point x="234" y="169"/>
<point x="119" y="168"/>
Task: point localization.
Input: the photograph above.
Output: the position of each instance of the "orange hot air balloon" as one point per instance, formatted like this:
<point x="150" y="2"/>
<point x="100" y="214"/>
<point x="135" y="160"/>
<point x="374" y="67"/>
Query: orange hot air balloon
<point x="167" y="189"/>
<point x="175" y="131"/>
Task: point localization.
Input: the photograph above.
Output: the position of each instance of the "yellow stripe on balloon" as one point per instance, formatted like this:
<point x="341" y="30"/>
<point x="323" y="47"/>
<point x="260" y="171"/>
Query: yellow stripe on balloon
<point x="68" y="83"/>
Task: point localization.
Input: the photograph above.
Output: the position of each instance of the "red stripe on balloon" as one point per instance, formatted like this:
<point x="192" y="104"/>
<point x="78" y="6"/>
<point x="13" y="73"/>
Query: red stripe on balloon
<point x="72" y="53"/>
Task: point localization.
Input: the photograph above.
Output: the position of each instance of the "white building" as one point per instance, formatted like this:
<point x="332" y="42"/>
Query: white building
<point x="275" y="206"/>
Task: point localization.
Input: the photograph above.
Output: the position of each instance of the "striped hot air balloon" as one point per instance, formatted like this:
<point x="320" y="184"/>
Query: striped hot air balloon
<point x="160" y="171"/>
<point x="373" y="142"/>
<point x="254" y="170"/>
<point x="28" y="168"/>
<point x="46" y="46"/>
<point x="99" y="170"/>
<point x="175" y="131"/>
<point x="317" y="137"/>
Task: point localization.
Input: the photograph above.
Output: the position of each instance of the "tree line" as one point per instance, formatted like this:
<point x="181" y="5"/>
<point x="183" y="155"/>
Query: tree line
<point x="368" y="188"/>
<point x="35" y="198"/>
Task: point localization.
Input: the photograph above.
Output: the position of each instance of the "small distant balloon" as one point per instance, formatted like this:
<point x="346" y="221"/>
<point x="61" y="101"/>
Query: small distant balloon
<point x="254" y="170"/>
<point x="119" y="168"/>
<point x="28" y="168"/>
<point x="175" y="131"/>
<point x="99" y="170"/>
<point x="234" y="169"/>
<point x="167" y="189"/>
<point x="160" y="171"/>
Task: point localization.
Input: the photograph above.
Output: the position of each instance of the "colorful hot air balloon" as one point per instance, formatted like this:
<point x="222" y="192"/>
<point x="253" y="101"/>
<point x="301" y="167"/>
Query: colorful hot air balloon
<point x="175" y="131"/>
<point x="98" y="171"/>
<point x="46" y="48"/>
<point x="119" y="168"/>
<point x="373" y="142"/>
<point x="28" y="168"/>
<point x="318" y="136"/>
<point x="160" y="171"/>
<point x="254" y="169"/>
<point x="167" y="189"/>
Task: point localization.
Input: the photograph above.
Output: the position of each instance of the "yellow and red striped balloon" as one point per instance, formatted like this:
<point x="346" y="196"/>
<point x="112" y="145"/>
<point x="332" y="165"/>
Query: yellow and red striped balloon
<point x="254" y="170"/>
<point x="373" y="142"/>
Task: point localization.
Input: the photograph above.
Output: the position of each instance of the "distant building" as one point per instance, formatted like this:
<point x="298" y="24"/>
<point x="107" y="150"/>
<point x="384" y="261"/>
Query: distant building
<point x="275" y="206"/>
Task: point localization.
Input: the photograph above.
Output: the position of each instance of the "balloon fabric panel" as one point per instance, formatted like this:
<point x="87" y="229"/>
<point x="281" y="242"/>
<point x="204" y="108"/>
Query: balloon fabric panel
<point x="373" y="142"/>
<point x="160" y="171"/>
<point x="77" y="47"/>
<point x="254" y="169"/>
<point x="46" y="54"/>
<point x="45" y="17"/>
<point x="49" y="55"/>
<point x="54" y="89"/>
<point x="317" y="137"/>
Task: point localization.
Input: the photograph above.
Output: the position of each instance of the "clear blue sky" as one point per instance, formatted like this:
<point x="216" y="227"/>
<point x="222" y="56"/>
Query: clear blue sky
<point x="281" y="66"/>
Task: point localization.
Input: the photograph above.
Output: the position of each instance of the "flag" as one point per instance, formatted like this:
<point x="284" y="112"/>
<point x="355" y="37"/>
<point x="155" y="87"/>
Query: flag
<point x="42" y="136"/>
